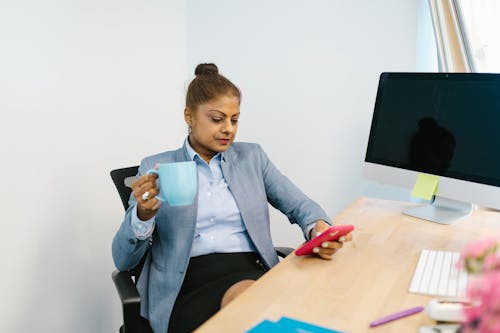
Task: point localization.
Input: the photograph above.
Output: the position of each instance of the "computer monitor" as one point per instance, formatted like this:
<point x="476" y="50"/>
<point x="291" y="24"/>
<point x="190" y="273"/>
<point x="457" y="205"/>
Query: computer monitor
<point x="444" y="124"/>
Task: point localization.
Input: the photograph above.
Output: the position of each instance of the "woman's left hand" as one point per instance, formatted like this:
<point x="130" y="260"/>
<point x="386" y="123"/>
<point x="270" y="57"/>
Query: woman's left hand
<point x="328" y="249"/>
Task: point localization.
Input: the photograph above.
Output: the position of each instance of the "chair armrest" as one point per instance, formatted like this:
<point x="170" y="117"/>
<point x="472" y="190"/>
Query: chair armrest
<point x="283" y="251"/>
<point x="126" y="288"/>
<point x="131" y="304"/>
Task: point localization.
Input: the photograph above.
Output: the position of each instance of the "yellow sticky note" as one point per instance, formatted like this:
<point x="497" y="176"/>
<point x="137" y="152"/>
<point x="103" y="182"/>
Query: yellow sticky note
<point x="425" y="187"/>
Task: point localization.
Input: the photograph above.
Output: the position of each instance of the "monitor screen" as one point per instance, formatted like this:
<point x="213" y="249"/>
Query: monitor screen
<point x="445" y="124"/>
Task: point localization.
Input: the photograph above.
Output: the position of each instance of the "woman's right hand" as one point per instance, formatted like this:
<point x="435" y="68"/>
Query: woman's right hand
<point x="147" y="204"/>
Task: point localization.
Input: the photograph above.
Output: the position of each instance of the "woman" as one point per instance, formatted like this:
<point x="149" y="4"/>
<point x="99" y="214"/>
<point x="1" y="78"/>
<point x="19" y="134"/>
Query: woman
<point x="204" y="254"/>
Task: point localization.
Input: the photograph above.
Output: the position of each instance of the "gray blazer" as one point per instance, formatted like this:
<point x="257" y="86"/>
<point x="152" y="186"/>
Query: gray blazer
<point x="253" y="180"/>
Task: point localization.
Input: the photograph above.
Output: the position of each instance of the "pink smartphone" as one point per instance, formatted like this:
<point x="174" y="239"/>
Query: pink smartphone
<point x="325" y="236"/>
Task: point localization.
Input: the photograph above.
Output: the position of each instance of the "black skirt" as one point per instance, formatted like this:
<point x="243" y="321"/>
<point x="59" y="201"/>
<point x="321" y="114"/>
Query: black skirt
<point x="207" y="279"/>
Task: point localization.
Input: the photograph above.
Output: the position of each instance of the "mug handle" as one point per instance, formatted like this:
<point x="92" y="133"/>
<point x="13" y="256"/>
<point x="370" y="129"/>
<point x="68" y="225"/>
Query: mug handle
<point x="159" y="197"/>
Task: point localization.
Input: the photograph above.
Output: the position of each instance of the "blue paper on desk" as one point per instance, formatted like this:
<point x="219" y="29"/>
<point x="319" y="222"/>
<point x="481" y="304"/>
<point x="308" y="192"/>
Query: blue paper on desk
<point x="289" y="325"/>
<point x="303" y="327"/>
<point x="267" y="326"/>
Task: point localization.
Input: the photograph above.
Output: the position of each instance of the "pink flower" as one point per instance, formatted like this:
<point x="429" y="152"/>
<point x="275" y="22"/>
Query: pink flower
<point x="485" y="315"/>
<point x="491" y="262"/>
<point x="477" y="256"/>
<point x="482" y="261"/>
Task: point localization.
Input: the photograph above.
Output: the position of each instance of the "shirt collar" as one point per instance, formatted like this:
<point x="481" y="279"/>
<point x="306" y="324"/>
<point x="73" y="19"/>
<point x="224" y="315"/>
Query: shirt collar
<point x="194" y="156"/>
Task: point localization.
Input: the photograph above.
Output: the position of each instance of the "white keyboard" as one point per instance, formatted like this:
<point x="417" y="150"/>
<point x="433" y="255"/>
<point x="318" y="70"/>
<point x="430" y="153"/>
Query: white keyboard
<point x="437" y="274"/>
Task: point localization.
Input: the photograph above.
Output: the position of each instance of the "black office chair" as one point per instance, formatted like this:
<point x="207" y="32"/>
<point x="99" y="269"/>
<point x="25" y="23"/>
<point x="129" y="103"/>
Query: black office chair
<point x="125" y="281"/>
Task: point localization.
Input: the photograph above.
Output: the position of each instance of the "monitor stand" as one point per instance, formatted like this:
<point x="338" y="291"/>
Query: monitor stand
<point x="441" y="210"/>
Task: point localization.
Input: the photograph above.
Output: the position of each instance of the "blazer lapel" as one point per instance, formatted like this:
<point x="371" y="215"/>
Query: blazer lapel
<point x="236" y="185"/>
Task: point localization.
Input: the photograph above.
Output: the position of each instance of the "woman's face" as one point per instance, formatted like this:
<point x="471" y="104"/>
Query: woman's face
<point x="213" y="125"/>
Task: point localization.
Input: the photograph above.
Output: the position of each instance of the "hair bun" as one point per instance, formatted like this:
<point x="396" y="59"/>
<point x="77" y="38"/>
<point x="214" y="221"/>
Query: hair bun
<point x="206" y="69"/>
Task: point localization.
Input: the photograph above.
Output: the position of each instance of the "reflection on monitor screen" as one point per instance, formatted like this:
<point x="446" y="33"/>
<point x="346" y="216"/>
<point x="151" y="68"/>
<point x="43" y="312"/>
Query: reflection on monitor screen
<point x="444" y="124"/>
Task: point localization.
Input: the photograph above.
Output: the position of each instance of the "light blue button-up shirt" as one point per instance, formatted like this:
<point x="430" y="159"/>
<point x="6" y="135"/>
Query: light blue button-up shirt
<point x="219" y="226"/>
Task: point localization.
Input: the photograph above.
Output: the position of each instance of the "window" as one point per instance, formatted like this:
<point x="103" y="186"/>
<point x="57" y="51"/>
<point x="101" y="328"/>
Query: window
<point x="465" y="34"/>
<point x="480" y="25"/>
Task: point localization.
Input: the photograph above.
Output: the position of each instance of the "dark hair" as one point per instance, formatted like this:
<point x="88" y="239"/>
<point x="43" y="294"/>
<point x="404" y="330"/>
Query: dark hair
<point x="207" y="85"/>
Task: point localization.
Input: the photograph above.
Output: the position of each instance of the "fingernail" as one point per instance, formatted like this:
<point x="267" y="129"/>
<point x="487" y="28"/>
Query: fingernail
<point x="324" y="245"/>
<point x="318" y="233"/>
<point x="316" y="250"/>
<point x="342" y="239"/>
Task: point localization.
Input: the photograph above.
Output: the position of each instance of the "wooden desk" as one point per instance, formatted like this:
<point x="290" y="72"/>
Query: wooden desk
<point x="368" y="279"/>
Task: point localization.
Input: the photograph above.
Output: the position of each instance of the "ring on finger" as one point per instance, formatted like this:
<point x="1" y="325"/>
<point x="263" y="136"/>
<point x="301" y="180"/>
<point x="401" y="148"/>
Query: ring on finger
<point x="145" y="196"/>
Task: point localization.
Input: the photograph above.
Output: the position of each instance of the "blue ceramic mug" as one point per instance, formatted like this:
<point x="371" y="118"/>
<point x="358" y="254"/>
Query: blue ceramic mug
<point x="178" y="182"/>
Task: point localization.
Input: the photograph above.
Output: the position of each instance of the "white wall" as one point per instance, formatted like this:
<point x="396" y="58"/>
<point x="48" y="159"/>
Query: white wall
<point x="85" y="87"/>
<point x="427" y="57"/>
<point x="309" y="72"/>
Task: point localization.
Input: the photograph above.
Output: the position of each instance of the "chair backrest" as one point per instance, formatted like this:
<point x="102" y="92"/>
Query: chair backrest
<point x="123" y="179"/>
